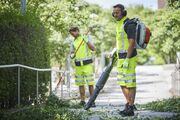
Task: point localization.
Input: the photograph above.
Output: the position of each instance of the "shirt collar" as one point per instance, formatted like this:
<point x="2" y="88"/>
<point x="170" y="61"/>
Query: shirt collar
<point x="78" y="37"/>
<point x="122" y="20"/>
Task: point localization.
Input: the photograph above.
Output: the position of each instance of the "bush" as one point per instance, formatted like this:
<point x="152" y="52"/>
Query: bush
<point x="53" y="109"/>
<point x="166" y="105"/>
<point x="23" y="40"/>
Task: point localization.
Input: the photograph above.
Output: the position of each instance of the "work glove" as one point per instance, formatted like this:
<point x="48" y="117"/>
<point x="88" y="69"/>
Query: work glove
<point x="86" y="40"/>
<point x="112" y="53"/>
<point x="125" y="63"/>
<point x="72" y="56"/>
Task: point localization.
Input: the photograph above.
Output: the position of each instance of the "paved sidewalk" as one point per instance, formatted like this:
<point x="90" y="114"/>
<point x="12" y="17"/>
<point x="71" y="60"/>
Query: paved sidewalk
<point x="153" y="83"/>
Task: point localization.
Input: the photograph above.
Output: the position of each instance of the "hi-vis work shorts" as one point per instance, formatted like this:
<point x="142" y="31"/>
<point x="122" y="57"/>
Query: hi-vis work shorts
<point x="127" y="76"/>
<point x="84" y="75"/>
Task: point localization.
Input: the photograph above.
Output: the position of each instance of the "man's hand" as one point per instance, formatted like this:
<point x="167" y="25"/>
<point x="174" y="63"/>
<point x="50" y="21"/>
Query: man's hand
<point x="112" y="53"/>
<point x="90" y="44"/>
<point x="72" y="56"/>
<point x="86" y="40"/>
<point x="125" y="63"/>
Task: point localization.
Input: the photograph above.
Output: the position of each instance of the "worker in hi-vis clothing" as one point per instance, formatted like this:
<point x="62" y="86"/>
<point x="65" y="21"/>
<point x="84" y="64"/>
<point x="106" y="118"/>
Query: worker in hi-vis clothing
<point x="126" y="53"/>
<point x="82" y="55"/>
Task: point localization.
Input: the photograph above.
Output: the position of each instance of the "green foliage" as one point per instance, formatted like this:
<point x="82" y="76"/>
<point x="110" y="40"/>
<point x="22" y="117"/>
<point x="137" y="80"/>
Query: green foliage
<point x="59" y="16"/>
<point x="166" y="105"/>
<point x="23" y="40"/>
<point x="53" y="109"/>
<point x="56" y="102"/>
<point x="58" y="109"/>
<point x="59" y="51"/>
<point x="175" y="4"/>
<point x="82" y="14"/>
<point x="166" y="40"/>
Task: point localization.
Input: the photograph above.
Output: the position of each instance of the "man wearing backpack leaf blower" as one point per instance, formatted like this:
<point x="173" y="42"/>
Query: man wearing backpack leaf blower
<point x="126" y="53"/>
<point x="130" y="34"/>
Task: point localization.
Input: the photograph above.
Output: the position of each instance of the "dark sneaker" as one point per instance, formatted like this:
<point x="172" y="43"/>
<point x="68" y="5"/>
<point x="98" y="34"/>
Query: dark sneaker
<point x="125" y="108"/>
<point x="82" y="103"/>
<point x="128" y="112"/>
<point x="93" y="104"/>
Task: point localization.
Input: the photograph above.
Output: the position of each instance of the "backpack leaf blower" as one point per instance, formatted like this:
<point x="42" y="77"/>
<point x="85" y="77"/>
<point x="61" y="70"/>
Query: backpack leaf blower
<point x="102" y="80"/>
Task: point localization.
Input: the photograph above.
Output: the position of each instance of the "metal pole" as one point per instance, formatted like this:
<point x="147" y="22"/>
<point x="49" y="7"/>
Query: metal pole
<point x="51" y="83"/>
<point x="62" y="89"/>
<point x="19" y="102"/>
<point x="68" y="75"/>
<point x="69" y="66"/>
<point x="178" y="78"/>
<point x="102" y="60"/>
<point x="23" y="7"/>
<point x="69" y="86"/>
<point x="37" y="87"/>
<point x="178" y="73"/>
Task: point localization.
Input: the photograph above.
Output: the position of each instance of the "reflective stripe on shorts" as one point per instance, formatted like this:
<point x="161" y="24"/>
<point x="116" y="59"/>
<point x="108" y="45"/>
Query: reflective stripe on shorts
<point x="79" y="76"/>
<point x="127" y="81"/>
<point x="91" y="75"/>
<point x="126" y="75"/>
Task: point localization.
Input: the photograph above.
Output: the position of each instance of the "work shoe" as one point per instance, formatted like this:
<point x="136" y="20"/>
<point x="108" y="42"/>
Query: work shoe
<point x="93" y="104"/>
<point x="82" y="103"/>
<point x="125" y="108"/>
<point x="128" y="112"/>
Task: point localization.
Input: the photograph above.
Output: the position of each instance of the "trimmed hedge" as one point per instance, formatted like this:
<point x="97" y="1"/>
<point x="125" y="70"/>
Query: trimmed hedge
<point x="23" y="40"/>
<point x="53" y="109"/>
<point x="165" y="105"/>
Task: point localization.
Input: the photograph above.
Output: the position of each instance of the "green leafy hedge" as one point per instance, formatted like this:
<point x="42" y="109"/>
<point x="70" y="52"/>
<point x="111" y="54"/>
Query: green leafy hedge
<point x="59" y="109"/>
<point x="23" y="40"/>
<point x="166" y="105"/>
<point x="53" y="109"/>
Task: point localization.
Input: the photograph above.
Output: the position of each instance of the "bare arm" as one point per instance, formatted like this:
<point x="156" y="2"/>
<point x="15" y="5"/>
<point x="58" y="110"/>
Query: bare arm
<point x="91" y="46"/>
<point x="130" y="30"/>
<point x="90" y="43"/>
<point x="72" y="49"/>
<point x="131" y="47"/>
